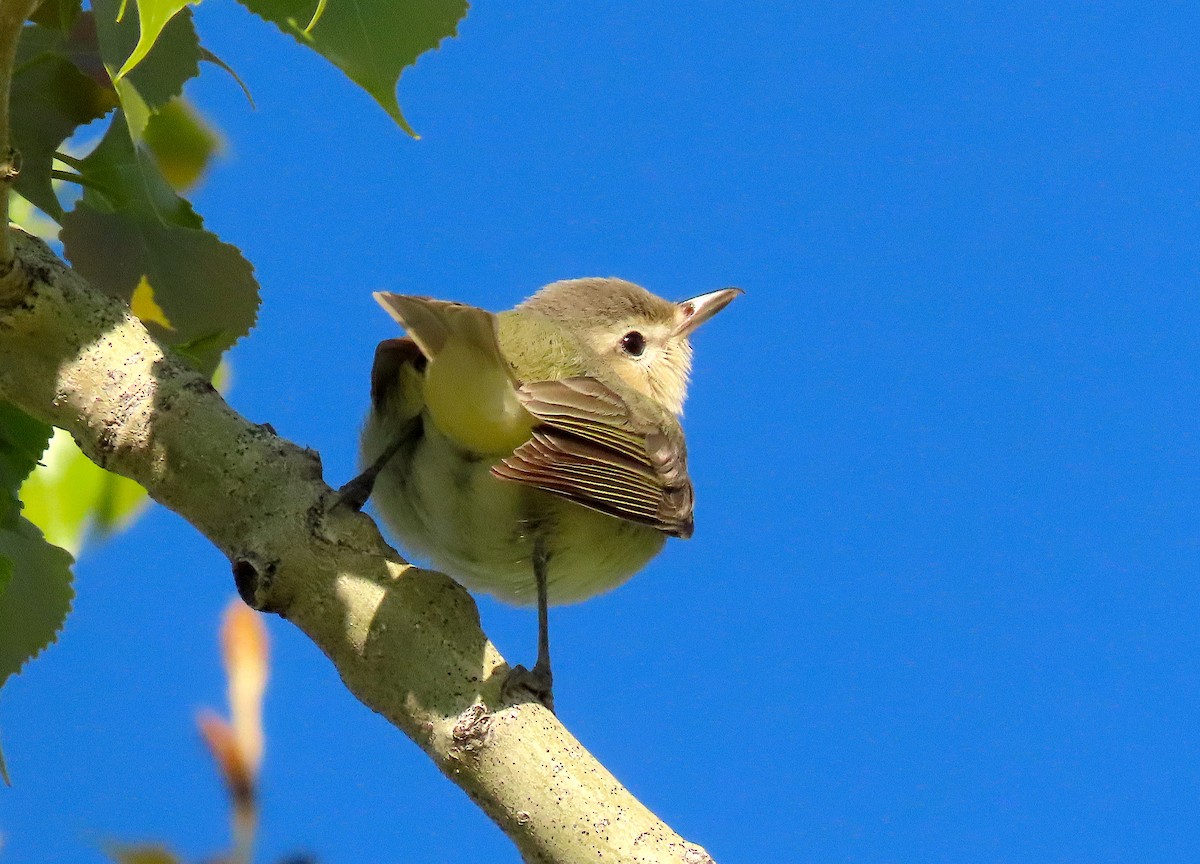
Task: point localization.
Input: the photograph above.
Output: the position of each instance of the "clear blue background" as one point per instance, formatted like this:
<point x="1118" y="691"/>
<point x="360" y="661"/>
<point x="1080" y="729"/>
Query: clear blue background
<point x="942" y="601"/>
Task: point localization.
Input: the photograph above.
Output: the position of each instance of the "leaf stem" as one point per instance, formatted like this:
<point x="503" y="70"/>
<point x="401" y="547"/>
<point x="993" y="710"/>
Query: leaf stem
<point x="12" y="18"/>
<point x="68" y="159"/>
<point x="85" y="182"/>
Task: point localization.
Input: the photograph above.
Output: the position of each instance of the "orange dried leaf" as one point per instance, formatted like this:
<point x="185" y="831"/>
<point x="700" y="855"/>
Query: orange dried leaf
<point x="244" y="644"/>
<point x="140" y="854"/>
<point x="226" y="752"/>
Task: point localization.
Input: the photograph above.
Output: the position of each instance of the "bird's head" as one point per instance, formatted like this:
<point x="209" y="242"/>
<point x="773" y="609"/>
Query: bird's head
<point x="642" y="337"/>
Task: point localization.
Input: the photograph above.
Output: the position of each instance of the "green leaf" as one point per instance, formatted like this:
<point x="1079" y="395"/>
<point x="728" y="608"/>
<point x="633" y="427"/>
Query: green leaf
<point x="181" y="143"/>
<point x="35" y="576"/>
<point x="182" y="281"/>
<point x="57" y="14"/>
<point x="118" y="504"/>
<point x="22" y="442"/>
<point x="51" y="98"/>
<point x="174" y="61"/>
<point x="202" y="285"/>
<point x="372" y="41"/>
<point x="153" y="16"/>
<point x="196" y="351"/>
<point x="158" y="78"/>
<point x="122" y="177"/>
<point x="31" y="219"/>
<point x="37" y="599"/>
<point x="72" y="500"/>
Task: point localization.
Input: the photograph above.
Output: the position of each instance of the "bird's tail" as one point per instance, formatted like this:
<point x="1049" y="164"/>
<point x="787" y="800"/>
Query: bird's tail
<point x="469" y="387"/>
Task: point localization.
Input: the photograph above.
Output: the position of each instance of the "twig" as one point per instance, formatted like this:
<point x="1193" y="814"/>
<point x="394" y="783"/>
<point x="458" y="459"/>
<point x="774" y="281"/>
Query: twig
<point x="13" y="14"/>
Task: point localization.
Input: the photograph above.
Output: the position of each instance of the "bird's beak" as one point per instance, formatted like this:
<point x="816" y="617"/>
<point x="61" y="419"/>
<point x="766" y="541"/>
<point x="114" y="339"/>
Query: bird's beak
<point x="690" y="314"/>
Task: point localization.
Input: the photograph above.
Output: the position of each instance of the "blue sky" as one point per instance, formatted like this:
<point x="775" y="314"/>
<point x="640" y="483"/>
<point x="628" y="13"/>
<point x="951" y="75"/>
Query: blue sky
<point x="941" y="603"/>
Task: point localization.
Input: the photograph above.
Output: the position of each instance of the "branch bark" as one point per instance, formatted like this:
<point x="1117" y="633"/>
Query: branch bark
<point x="406" y="642"/>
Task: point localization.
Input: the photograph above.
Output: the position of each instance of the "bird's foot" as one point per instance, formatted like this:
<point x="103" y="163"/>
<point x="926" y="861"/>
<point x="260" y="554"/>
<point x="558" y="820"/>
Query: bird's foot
<point x="523" y="685"/>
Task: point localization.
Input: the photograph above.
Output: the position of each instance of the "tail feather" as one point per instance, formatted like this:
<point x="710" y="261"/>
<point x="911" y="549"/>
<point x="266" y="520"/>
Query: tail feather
<point x="469" y="387"/>
<point x="431" y="323"/>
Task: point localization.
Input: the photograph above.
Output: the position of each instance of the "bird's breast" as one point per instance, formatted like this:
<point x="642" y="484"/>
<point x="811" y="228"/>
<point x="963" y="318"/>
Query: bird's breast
<point x="443" y="503"/>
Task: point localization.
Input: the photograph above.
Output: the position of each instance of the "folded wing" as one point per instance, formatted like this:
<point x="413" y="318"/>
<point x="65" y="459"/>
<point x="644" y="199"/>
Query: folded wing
<point x="589" y="447"/>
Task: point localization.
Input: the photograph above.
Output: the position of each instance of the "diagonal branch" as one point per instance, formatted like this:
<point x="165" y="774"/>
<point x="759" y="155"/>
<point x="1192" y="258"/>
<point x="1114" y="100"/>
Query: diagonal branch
<point x="407" y="642"/>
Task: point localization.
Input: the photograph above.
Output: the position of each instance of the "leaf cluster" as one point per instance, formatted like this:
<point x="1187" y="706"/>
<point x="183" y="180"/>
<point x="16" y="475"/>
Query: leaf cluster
<point x="127" y="228"/>
<point x="130" y="233"/>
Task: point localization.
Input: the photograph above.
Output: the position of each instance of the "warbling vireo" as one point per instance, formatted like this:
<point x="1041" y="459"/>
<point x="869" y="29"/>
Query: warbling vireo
<point x="535" y="454"/>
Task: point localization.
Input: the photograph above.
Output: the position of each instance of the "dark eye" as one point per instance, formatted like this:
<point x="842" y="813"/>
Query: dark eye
<point x="633" y="343"/>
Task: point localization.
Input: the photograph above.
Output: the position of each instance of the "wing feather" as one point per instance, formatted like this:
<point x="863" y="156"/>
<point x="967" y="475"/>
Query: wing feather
<point x="589" y="447"/>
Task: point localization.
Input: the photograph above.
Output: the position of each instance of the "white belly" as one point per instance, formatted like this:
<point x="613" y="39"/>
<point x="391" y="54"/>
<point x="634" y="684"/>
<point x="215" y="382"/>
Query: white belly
<point x="482" y="530"/>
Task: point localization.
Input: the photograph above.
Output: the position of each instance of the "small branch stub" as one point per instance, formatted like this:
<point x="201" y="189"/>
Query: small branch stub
<point x="10" y="167"/>
<point x="253" y="581"/>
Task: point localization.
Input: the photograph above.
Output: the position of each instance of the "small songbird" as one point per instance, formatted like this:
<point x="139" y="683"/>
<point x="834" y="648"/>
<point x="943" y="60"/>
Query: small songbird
<point x="534" y="454"/>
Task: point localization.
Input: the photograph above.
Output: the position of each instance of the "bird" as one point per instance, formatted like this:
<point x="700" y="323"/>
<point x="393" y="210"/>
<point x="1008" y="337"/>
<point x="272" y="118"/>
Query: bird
<point x="534" y="454"/>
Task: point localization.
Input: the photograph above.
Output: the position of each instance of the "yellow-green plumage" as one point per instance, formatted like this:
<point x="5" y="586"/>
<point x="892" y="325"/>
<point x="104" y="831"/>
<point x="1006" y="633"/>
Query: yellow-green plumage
<point x="523" y="432"/>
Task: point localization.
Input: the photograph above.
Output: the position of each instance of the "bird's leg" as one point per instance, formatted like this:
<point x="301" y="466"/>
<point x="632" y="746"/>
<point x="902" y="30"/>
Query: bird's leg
<point x="355" y="493"/>
<point x="538" y="681"/>
<point x="541" y="669"/>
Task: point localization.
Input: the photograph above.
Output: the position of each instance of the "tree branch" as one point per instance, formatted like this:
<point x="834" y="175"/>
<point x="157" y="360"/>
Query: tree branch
<point x="13" y="14"/>
<point x="407" y="642"/>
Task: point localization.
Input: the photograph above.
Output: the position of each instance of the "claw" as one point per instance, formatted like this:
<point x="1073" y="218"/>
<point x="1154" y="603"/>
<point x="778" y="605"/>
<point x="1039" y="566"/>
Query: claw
<point x="524" y="685"/>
